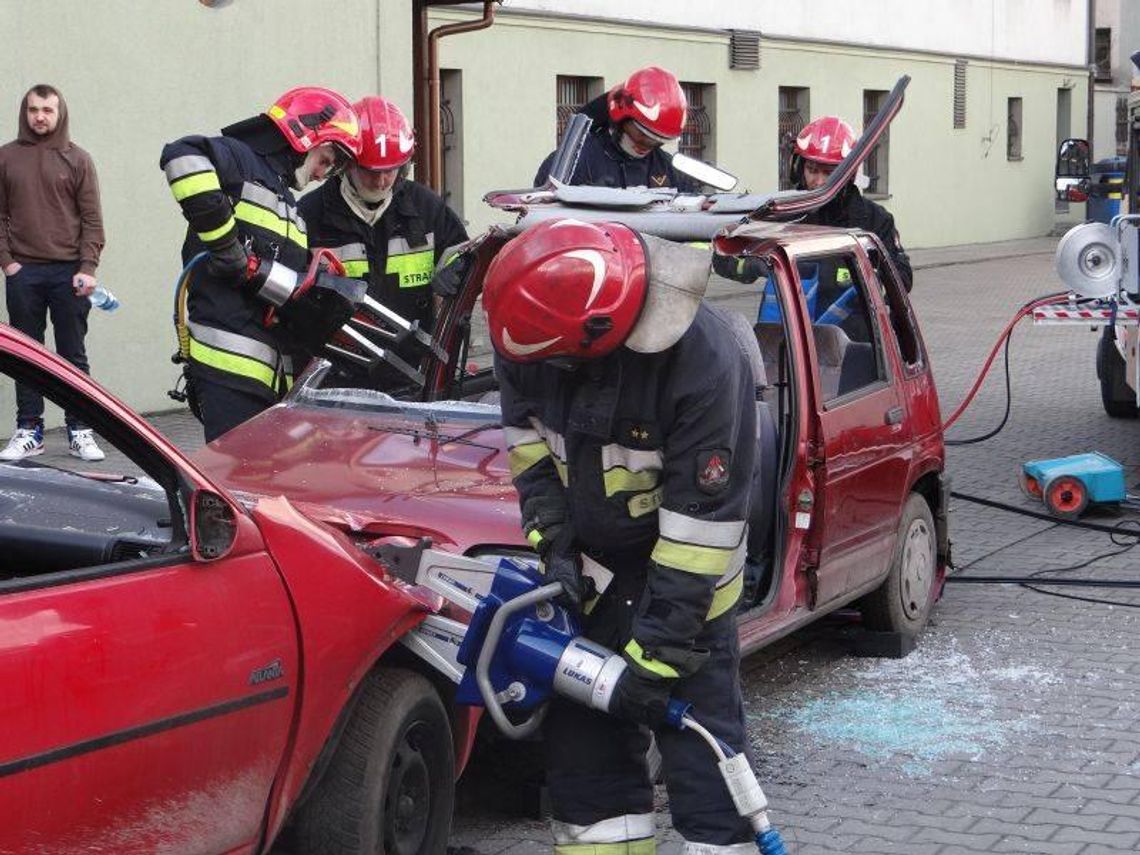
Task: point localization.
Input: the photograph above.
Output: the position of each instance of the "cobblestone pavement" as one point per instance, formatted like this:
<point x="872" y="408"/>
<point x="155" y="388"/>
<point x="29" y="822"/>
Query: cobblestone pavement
<point x="1013" y="726"/>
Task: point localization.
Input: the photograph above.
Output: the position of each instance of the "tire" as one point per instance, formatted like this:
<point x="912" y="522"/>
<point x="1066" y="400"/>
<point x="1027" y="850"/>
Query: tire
<point x="390" y="786"/>
<point x="1118" y="399"/>
<point x="903" y="602"/>
<point x="1066" y="497"/>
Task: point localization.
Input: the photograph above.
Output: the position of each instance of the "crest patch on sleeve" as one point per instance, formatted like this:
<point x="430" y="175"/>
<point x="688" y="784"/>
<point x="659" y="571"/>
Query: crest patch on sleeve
<point x="713" y="466"/>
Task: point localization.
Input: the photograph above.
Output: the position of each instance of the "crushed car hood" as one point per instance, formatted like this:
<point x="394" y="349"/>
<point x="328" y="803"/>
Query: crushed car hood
<point x="375" y="474"/>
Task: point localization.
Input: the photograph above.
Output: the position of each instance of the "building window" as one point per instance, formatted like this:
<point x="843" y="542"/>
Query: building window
<point x="959" y="93"/>
<point x="451" y="137"/>
<point x="1102" y="54"/>
<point x="573" y="93"/>
<point x="876" y="163"/>
<point x="696" y="138"/>
<point x="1013" y="130"/>
<point x="794" y="111"/>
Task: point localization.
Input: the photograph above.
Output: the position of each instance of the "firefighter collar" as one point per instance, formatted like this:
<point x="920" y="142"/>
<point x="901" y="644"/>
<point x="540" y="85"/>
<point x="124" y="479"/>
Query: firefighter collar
<point x="678" y="278"/>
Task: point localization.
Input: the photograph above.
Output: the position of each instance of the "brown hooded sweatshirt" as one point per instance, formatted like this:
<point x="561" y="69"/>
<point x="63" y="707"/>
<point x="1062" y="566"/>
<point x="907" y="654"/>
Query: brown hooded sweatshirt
<point x="49" y="198"/>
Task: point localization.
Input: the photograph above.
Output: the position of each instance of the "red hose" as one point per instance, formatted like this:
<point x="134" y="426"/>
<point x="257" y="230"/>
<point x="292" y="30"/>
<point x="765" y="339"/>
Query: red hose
<point x="1022" y="312"/>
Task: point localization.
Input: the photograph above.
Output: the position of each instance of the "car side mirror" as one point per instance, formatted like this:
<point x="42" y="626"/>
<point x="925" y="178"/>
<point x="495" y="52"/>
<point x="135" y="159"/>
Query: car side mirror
<point x="213" y="526"/>
<point x="1071" y="175"/>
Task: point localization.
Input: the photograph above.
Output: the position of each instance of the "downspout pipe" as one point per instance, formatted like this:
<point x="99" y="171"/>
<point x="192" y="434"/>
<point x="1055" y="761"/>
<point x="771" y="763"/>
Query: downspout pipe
<point x="434" y="161"/>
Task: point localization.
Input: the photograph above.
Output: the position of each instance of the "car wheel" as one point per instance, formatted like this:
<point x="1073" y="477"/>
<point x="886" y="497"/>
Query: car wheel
<point x="1118" y="399"/>
<point x="904" y="600"/>
<point x="390" y="787"/>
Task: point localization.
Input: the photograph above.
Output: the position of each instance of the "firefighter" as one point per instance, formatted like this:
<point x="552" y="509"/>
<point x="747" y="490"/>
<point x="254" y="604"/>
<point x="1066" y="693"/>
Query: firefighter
<point x="386" y="229"/>
<point x="236" y="192"/>
<point x="631" y="124"/>
<point x="630" y="419"/>
<point x="819" y="148"/>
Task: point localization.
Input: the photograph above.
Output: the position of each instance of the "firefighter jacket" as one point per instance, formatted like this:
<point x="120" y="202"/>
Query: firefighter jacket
<point x="602" y="163"/>
<point x="851" y="210"/>
<point x="398" y="254"/>
<point x="651" y="455"/>
<point x="227" y="190"/>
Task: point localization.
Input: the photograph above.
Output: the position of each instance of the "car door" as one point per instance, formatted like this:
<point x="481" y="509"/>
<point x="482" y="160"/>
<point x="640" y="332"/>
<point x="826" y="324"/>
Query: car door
<point x="864" y="432"/>
<point x="148" y="655"/>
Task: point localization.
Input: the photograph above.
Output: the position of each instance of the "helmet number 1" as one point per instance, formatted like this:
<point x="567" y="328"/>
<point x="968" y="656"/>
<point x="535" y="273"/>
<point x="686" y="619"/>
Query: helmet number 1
<point x="382" y="142"/>
<point x="824" y="141"/>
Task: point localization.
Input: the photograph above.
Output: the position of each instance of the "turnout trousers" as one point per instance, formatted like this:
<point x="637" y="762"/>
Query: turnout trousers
<point x="600" y="793"/>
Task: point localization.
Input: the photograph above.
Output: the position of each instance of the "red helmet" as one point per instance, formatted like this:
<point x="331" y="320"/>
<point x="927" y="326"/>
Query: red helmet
<point x="386" y="139"/>
<point x="653" y="99"/>
<point x="828" y="139"/>
<point x="565" y="288"/>
<point x="311" y="115"/>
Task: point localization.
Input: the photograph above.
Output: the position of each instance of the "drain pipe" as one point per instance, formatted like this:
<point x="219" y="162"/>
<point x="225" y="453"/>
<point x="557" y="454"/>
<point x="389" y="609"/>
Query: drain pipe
<point x="434" y="160"/>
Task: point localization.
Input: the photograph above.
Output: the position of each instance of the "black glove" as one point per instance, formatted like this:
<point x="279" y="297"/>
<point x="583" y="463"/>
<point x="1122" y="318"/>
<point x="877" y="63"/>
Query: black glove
<point x="227" y="262"/>
<point x="545" y="515"/>
<point x="451" y="274"/>
<point x="566" y="567"/>
<point x="641" y="698"/>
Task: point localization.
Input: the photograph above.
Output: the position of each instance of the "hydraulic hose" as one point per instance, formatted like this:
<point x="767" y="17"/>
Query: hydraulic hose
<point x="1021" y="313"/>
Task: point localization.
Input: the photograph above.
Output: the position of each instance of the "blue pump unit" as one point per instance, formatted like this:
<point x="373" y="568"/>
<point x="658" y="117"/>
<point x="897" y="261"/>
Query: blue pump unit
<point x="1068" y="485"/>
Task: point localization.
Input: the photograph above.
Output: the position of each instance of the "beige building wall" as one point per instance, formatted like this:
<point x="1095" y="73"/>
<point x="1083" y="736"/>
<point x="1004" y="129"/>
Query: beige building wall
<point x="137" y="75"/>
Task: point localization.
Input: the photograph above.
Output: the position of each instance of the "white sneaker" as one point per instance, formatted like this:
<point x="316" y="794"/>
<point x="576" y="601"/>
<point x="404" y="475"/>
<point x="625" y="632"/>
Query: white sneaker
<point x="84" y="447"/>
<point x="25" y="442"/>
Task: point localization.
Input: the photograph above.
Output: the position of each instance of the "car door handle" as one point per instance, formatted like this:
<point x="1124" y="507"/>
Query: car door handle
<point x="893" y="416"/>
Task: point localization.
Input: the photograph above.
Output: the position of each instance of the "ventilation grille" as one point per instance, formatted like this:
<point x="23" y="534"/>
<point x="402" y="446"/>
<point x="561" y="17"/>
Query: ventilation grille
<point x="960" y="93"/>
<point x="744" y="50"/>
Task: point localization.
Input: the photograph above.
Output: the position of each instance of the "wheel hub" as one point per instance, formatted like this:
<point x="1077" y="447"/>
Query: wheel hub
<point x="407" y="806"/>
<point x="917" y="576"/>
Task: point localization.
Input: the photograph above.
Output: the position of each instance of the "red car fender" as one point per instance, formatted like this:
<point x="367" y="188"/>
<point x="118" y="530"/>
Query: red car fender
<point x="348" y="613"/>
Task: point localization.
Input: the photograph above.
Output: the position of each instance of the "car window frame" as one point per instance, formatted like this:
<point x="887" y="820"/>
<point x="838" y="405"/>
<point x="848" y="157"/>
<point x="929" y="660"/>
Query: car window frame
<point x="157" y="466"/>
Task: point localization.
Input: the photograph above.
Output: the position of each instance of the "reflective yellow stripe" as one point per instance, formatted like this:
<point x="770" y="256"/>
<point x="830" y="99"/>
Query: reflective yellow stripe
<point x="621" y="480"/>
<point x="842" y="275"/>
<point x="413" y="268"/>
<point x="356" y="269"/>
<point x="725" y="598"/>
<point x="645" y="503"/>
<point x="647" y="846"/>
<point x="534" y="538"/>
<point x="258" y="216"/>
<point x="704" y="560"/>
<point x="214" y="234"/>
<point x="192" y="185"/>
<point x="522" y="457"/>
<point x="232" y="363"/>
<point x="633" y="651"/>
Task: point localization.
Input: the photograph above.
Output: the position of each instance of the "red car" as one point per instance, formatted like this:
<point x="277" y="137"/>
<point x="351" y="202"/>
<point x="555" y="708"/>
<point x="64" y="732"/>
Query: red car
<point x="203" y="655"/>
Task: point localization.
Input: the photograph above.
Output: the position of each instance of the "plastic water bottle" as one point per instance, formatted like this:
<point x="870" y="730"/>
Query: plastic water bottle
<point x="103" y="299"/>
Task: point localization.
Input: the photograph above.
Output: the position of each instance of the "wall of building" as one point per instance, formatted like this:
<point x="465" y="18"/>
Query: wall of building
<point x="1008" y="29"/>
<point x="135" y="79"/>
<point x="947" y="185"/>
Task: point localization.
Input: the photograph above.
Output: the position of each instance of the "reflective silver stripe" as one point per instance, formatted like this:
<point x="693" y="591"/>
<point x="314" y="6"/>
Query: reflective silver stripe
<point x="234" y="343"/>
<point x="615" y="829"/>
<point x="279" y="285"/>
<point x="520" y="436"/>
<point x="400" y="246"/>
<point x="634" y="460"/>
<point x="554" y="440"/>
<point x="350" y="252"/>
<point x="685" y="529"/>
<point x="263" y="197"/>
<point x="188" y="164"/>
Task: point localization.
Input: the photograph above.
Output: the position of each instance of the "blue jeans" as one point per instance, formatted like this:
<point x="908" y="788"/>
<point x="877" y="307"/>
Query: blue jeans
<point x="33" y="293"/>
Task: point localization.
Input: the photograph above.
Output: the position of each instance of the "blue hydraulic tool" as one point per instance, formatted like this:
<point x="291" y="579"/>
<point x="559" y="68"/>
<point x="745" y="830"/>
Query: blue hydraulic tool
<point x="520" y="649"/>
